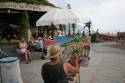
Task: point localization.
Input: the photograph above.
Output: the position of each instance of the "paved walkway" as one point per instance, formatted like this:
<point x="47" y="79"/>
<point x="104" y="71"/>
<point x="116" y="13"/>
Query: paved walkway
<point x="107" y="65"/>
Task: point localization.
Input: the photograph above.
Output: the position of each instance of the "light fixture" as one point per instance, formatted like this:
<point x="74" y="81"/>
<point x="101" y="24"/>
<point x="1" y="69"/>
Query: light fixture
<point x="8" y="11"/>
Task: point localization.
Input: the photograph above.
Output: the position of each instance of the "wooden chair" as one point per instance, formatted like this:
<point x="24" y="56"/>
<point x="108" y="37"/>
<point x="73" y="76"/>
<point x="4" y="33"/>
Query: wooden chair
<point x="74" y="79"/>
<point x="26" y="57"/>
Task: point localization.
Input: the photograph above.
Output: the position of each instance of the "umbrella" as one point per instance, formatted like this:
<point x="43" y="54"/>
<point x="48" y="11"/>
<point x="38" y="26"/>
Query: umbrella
<point x="59" y="16"/>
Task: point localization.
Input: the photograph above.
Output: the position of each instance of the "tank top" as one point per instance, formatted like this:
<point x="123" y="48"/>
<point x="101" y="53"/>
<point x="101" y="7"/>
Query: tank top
<point x="53" y="73"/>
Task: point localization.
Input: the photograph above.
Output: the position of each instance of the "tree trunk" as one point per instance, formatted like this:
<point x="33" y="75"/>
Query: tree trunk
<point x="26" y="25"/>
<point x="89" y="31"/>
<point x="73" y="27"/>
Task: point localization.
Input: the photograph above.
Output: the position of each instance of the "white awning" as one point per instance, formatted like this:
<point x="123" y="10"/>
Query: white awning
<point x="25" y="6"/>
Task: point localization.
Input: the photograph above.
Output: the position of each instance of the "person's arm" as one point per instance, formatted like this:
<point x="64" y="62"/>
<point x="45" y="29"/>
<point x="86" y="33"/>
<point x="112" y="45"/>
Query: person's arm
<point x="68" y="68"/>
<point x="26" y="45"/>
<point x="19" y="45"/>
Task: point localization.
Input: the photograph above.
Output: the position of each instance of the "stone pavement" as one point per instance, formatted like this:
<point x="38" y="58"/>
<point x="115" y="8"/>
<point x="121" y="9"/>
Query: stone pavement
<point x="107" y="65"/>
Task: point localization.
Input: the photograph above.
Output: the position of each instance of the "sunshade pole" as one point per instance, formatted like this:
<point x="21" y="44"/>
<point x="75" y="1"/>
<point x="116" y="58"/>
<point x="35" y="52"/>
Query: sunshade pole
<point x="69" y="30"/>
<point x="79" y="76"/>
<point x="69" y="7"/>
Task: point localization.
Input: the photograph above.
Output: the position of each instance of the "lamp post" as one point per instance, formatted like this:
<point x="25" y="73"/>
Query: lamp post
<point x="69" y="7"/>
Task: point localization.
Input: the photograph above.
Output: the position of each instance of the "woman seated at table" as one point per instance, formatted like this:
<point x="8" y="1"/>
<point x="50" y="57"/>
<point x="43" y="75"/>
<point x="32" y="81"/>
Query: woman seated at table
<point x="23" y="50"/>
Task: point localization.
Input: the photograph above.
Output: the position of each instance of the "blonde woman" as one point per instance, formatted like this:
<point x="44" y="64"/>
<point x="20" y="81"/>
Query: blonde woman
<point x="23" y="50"/>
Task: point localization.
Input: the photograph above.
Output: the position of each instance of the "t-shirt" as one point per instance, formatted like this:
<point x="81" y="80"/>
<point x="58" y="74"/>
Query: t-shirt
<point x="54" y="73"/>
<point x="39" y="44"/>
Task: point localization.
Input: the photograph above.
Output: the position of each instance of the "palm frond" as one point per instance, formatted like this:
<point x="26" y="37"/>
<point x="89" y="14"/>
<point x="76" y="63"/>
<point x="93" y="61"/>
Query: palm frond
<point x="43" y="2"/>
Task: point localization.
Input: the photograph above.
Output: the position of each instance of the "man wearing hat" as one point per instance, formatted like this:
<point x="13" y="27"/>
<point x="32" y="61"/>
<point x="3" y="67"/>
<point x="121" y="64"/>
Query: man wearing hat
<point x="55" y="71"/>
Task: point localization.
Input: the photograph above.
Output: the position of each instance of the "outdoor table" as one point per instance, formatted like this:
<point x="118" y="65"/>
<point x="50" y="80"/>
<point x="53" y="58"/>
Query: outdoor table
<point x="10" y="70"/>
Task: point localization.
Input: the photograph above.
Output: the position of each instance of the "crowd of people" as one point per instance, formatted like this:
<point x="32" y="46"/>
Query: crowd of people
<point x="56" y="65"/>
<point x="38" y="44"/>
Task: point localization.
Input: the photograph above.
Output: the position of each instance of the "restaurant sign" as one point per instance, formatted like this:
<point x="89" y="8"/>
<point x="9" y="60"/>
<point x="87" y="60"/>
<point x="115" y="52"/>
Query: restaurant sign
<point x="25" y="6"/>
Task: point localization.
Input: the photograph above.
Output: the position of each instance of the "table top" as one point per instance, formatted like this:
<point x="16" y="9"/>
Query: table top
<point x="8" y="59"/>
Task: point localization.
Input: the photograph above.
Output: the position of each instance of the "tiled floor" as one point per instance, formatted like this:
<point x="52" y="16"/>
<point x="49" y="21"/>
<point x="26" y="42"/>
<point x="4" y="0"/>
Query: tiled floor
<point x="107" y="65"/>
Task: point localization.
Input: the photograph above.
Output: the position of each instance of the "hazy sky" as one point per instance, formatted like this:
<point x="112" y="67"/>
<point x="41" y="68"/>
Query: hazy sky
<point x="106" y="15"/>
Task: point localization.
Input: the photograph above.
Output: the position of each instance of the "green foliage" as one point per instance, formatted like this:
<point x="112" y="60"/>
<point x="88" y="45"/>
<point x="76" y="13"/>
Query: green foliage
<point x="61" y="26"/>
<point x="5" y="42"/>
<point x="64" y="27"/>
<point x="94" y="37"/>
<point x="25" y="19"/>
<point x="73" y="26"/>
<point x="43" y="2"/>
<point x="75" y="50"/>
<point x="88" y="25"/>
<point x="77" y="39"/>
<point x="53" y="27"/>
<point x="26" y="25"/>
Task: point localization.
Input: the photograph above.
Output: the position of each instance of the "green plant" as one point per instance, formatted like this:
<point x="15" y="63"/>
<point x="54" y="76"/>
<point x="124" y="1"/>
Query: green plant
<point x="43" y="2"/>
<point x="5" y="42"/>
<point x="77" y="39"/>
<point x="73" y="27"/>
<point x="88" y="25"/>
<point x="94" y="37"/>
<point x="26" y="25"/>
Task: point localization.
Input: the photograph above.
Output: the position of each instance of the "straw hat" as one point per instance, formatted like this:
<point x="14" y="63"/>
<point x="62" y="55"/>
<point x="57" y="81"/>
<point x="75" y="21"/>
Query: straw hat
<point x="54" y="51"/>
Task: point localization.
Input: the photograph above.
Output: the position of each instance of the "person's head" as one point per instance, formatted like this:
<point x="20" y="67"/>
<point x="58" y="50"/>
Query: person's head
<point x="54" y="51"/>
<point x="22" y="40"/>
<point x="45" y="36"/>
<point x="39" y="38"/>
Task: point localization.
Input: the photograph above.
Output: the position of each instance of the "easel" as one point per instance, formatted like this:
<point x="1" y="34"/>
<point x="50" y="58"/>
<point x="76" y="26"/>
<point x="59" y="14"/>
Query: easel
<point x="76" y="49"/>
<point x="75" y="77"/>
